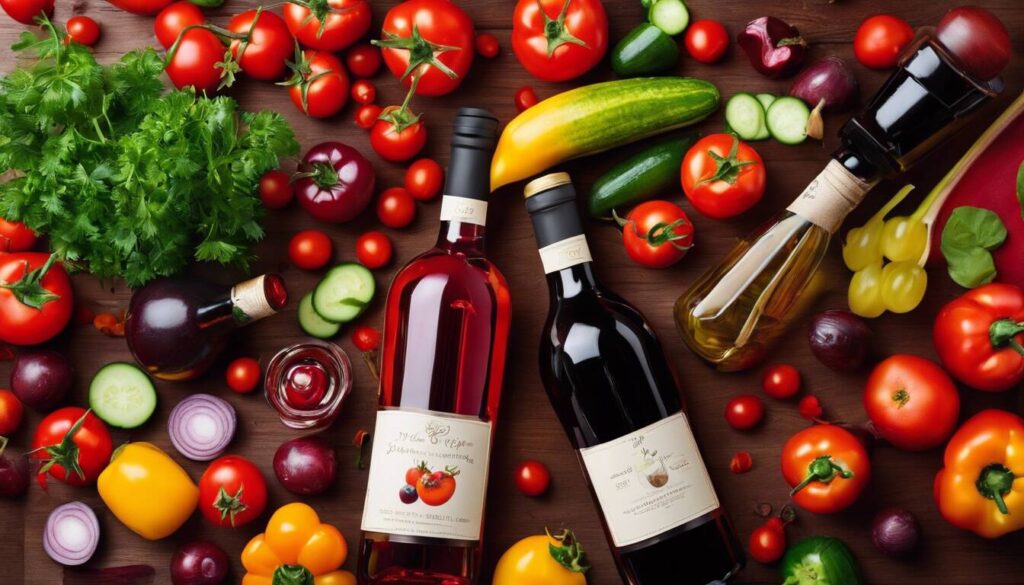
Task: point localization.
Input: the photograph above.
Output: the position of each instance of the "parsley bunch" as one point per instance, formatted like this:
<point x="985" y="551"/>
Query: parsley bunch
<point x="125" y="179"/>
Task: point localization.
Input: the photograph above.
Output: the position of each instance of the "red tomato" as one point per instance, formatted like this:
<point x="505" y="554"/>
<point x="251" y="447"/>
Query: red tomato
<point x="781" y="381"/>
<point x="396" y="208"/>
<point x="487" y="45"/>
<point x="437" y="488"/>
<point x="741" y="462"/>
<point x="232" y="491"/>
<point x="36" y="301"/>
<point x="26" y="11"/>
<point x="83" y="30"/>
<point x="441" y="36"/>
<point x="320" y="85"/>
<point x="373" y="250"/>
<point x="706" y="40"/>
<point x="142" y="7"/>
<point x="328" y="25"/>
<point x="526" y="98"/>
<point x="364" y="92"/>
<point x="424" y="179"/>
<point x="768" y="541"/>
<point x="10" y="413"/>
<point x="173" y="19"/>
<point x="912" y="402"/>
<point x="243" y="375"/>
<point x="827" y="467"/>
<point x="657" y="234"/>
<point x="16" y="236"/>
<point x="744" y="412"/>
<point x="413" y="474"/>
<point x="363" y="60"/>
<point x="532" y="478"/>
<point x="723" y="176"/>
<point x="197" y="61"/>
<point x="397" y="145"/>
<point x="310" y="249"/>
<point x="276" y="189"/>
<point x="366" y="115"/>
<point x="880" y="40"/>
<point x="71" y="438"/>
<point x="366" y="338"/>
<point x="810" y="408"/>
<point x="558" y="40"/>
<point x="269" y="48"/>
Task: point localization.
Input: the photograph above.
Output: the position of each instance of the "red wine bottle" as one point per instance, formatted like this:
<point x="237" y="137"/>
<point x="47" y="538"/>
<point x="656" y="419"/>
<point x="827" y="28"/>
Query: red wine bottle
<point x="442" y="361"/>
<point x="617" y="397"/>
<point x="176" y="327"/>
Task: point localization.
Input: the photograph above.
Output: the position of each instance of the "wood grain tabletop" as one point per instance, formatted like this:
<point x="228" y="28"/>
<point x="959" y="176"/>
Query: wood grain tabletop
<point x="528" y="427"/>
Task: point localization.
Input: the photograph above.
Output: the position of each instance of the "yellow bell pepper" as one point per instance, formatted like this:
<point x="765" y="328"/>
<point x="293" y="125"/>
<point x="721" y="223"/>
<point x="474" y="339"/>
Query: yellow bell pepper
<point x="147" y="490"/>
<point x="296" y="549"/>
<point x="543" y="560"/>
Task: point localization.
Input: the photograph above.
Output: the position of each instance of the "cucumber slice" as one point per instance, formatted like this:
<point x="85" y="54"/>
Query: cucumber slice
<point x="745" y="116"/>
<point x="787" y="120"/>
<point x="671" y="16"/>
<point x="311" y="321"/>
<point x="122" y="395"/>
<point x="344" y="293"/>
<point x="766" y="100"/>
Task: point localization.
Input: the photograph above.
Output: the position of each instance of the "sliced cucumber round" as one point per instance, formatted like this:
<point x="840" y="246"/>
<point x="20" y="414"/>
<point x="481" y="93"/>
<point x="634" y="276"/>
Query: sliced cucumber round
<point x="122" y="395"/>
<point x="670" y="16"/>
<point x="745" y="116"/>
<point x="787" y="120"/>
<point x="766" y="100"/>
<point x="344" y="293"/>
<point x="312" y="323"/>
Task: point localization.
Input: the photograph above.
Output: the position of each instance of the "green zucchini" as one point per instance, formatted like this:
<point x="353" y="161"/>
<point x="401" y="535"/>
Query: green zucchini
<point x="642" y="176"/>
<point x="646" y="50"/>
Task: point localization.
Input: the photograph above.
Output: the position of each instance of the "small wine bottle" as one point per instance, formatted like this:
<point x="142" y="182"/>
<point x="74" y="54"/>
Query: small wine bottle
<point x="618" y="400"/>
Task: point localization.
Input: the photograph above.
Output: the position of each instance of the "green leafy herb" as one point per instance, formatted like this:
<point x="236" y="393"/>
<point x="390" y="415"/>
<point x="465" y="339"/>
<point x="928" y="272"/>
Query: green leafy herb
<point x="1020" y="188"/>
<point x="125" y="179"/>
<point x="967" y="241"/>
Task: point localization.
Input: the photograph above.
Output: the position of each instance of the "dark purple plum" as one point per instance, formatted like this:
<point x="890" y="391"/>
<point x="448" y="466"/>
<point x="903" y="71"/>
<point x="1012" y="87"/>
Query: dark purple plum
<point x="14" y="473"/>
<point x="305" y="466"/>
<point x="41" y="378"/>
<point x="199" y="562"/>
<point x="408" y="494"/>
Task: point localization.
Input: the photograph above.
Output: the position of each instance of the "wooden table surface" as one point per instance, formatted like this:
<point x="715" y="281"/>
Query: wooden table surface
<point x="528" y="428"/>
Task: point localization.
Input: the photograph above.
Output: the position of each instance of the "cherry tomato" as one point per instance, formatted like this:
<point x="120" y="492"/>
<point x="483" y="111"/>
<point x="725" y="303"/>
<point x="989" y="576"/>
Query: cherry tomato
<point x="487" y="45"/>
<point x="741" y="462"/>
<point x="141" y="7"/>
<point x="243" y="375"/>
<point x="26" y="11"/>
<point x="438" y="32"/>
<point x="269" y="48"/>
<point x="232" y="492"/>
<point x="424" y="179"/>
<point x="89" y="446"/>
<point x="744" y="412"/>
<point x="396" y="208"/>
<point x="373" y="250"/>
<point x="657" y="234"/>
<point x="768" y="541"/>
<point x="310" y="249"/>
<point x="810" y="408"/>
<point x="723" y="176"/>
<point x="83" y="30"/>
<point x="275" y="189"/>
<point x="827" y="466"/>
<point x="16" y="236"/>
<point x="364" y="92"/>
<point x="526" y="98"/>
<point x="10" y="413"/>
<point x="329" y="25"/>
<point x="532" y="478"/>
<point x="366" y="115"/>
<point x="196" y="62"/>
<point x="320" y="85"/>
<point x="366" y="338"/>
<point x="558" y="40"/>
<point x="912" y="402"/>
<point x="363" y="60"/>
<point x="977" y="38"/>
<point x="706" y="40"/>
<point x="781" y="381"/>
<point x="397" y="146"/>
<point x="880" y="40"/>
<point x="172" y="20"/>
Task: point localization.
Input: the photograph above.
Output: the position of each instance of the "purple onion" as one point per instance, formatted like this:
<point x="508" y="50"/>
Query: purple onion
<point x="14" y="473"/>
<point x="305" y="466"/>
<point x="199" y="562"/>
<point x="41" y="378"/>
<point x="895" y="532"/>
<point x="71" y="534"/>
<point x="839" y="339"/>
<point x="829" y="80"/>
<point x="201" y="426"/>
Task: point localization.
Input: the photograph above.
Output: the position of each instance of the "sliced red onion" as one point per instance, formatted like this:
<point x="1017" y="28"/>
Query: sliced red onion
<point x="72" y="533"/>
<point x="201" y="426"/>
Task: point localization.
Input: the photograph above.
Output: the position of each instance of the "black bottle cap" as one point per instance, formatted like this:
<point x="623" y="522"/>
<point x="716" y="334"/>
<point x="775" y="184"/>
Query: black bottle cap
<point x="551" y="202"/>
<point x="474" y="138"/>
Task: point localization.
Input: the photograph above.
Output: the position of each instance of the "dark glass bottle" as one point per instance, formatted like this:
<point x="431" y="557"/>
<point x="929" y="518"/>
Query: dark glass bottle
<point x="617" y="398"/>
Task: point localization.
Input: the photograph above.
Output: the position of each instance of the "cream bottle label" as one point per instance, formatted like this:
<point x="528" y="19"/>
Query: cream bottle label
<point x="830" y="197"/>
<point x="566" y="253"/>
<point x="463" y="209"/>
<point x="650" y="481"/>
<point x="428" y="475"/>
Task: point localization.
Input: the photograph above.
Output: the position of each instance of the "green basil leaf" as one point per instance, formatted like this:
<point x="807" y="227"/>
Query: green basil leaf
<point x="1020" y="188"/>
<point x="967" y="240"/>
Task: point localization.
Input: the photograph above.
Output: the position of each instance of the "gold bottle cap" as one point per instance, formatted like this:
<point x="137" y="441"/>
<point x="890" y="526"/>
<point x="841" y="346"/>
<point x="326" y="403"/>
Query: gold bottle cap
<point x="545" y="183"/>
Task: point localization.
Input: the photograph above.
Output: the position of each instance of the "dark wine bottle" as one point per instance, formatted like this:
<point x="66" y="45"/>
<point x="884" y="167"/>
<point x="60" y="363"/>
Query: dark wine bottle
<point x="617" y="398"/>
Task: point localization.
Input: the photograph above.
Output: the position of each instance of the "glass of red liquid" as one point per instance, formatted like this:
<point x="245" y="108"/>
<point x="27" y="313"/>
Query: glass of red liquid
<point x="306" y="384"/>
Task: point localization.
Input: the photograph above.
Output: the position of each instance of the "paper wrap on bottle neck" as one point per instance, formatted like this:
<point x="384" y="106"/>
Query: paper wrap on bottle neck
<point x="250" y="300"/>
<point x="463" y="209"/>
<point x="830" y="197"/>
<point x="564" y="254"/>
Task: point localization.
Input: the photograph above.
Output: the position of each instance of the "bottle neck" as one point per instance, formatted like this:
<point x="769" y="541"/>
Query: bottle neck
<point x="245" y="302"/>
<point x="461" y="237"/>
<point x="572" y="282"/>
<point x="466" y="189"/>
<point x="562" y="243"/>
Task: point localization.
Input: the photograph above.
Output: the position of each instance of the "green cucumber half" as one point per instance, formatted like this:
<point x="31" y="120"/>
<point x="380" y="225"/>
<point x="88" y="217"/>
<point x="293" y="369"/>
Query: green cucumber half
<point x="122" y="395"/>
<point x="312" y="323"/>
<point x="344" y="293"/>
<point x="642" y="176"/>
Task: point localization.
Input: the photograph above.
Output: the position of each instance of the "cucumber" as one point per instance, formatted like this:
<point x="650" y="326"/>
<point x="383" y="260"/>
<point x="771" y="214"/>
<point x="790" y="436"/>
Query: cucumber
<point x="646" y="50"/>
<point x="766" y="100"/>
<point x="787" y="120"/>
<point x="344" y="293"/>
<point x="641" y="176"/>
<point x="122" y="395"/>
<point x="746" y="117"/>
<point x="670" y="16"/>
<point x="312" y="323"/>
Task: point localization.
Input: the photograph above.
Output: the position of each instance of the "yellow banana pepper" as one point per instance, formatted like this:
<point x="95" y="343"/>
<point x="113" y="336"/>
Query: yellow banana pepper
<point x="147" y="490"/>
<point x="296" y="549"/>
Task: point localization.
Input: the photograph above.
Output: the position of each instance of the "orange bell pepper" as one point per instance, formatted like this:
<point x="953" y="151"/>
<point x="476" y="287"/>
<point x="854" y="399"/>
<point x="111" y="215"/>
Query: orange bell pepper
<point x="981" y="487"/>
<point x="296" y="549"/>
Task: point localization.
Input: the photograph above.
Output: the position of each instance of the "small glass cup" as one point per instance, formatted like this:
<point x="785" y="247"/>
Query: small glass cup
<point x="292" y="367"/>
